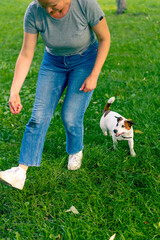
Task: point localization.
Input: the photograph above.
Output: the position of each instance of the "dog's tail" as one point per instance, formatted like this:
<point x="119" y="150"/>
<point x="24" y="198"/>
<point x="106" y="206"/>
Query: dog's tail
<point x="108" y="104"/>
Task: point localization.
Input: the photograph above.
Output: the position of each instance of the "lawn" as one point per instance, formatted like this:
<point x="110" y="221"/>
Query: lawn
<point x="113" y="192"/>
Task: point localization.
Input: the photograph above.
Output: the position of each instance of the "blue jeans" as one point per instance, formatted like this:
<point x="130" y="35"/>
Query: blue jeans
<point x="56" y="73"/>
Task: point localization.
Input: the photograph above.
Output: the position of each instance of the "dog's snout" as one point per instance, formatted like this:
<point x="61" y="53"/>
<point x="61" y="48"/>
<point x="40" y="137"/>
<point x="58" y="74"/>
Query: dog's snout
<point x="115" y="130"/>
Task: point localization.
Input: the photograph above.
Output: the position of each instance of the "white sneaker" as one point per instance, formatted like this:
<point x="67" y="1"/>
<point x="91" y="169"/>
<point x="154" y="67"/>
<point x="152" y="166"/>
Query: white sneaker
<point x="15" y="177"/>
<point x="75" y="161"/>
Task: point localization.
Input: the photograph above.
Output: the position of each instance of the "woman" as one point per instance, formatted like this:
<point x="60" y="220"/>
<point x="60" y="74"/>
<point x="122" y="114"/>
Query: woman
<point x="73" y="58"/>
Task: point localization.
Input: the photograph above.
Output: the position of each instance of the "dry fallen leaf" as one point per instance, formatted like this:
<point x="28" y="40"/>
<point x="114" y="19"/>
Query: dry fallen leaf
<point x="113" y="237"/>
<point x="138" y="131"/>
<point x="72" y="209"/>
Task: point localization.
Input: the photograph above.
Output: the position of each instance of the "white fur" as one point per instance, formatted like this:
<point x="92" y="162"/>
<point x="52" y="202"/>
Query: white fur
<point x="117" y="129"/>
<point x="111" y="100"/>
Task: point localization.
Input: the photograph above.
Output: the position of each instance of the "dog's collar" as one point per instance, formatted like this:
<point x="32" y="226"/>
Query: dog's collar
<point x="125" y="137"/>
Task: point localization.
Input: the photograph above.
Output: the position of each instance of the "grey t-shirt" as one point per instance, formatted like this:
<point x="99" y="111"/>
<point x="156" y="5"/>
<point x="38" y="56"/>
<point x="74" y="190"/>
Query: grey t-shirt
<point x="69" y="35"/>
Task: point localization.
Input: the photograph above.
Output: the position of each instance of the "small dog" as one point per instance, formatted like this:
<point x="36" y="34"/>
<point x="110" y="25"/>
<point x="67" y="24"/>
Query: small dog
<point x="119" y="127"/>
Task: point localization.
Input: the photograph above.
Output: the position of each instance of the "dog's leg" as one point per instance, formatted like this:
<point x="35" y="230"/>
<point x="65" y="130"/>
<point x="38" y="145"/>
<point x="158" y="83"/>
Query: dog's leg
<point x="114" y="142"/>
<point x="110" y="133"/>
<point x="104" y="131"/>
<point x="130" y="143"/>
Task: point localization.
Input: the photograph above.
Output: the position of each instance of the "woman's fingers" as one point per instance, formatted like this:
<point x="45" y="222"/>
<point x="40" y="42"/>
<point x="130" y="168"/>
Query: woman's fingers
<point x="15" y="104"/>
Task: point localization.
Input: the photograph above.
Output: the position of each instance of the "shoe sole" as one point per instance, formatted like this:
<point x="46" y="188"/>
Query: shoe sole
<point x="8" y="184"/>
<point x="73" y="169"/>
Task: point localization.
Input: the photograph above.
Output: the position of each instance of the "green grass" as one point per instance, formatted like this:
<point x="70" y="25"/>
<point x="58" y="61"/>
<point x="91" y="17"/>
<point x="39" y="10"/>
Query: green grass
<point x="113" y="192"/>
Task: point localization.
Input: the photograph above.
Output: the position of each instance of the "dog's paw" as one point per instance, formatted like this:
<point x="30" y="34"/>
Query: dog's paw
<point x="133" y="154"/>
<point x="115" y="146"/>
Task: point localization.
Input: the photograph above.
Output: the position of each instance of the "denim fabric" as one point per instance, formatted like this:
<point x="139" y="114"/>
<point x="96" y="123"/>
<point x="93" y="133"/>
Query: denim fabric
<point x="56" y="73"/>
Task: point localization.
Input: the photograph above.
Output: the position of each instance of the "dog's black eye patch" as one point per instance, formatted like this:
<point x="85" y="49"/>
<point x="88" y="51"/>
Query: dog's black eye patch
<point x="123" y="126"/>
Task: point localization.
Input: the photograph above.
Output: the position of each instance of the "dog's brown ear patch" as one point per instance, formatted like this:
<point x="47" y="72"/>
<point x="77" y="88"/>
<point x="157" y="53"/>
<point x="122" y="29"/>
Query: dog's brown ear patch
<point x="131" y="122"/>
<point x="119" y="119"/>
<point x="128" y="124"/>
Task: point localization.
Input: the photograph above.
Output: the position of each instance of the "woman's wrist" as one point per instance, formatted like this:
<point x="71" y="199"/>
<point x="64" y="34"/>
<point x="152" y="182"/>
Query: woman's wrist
<point x="14" y="93"/>
<point x="14" y="89"/>
<point x="94" y="74"/>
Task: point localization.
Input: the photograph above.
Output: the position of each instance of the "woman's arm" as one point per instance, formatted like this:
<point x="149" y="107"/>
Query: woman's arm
<point x="102" y="32"/>
<point x="21" y="70"/>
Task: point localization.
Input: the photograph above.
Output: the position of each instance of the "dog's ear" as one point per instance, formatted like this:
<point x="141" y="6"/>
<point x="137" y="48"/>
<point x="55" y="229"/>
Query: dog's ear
<point x="130" y="122"/>
<point x="119" y="118"/>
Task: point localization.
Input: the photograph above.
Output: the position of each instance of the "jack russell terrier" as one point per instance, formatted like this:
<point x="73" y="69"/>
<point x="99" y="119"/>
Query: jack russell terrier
<point x="119" y="127"/>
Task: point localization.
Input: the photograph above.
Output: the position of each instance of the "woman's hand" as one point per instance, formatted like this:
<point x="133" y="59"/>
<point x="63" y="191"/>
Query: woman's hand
<point x="15" y="104"/>
<point x="89" y="84"/>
